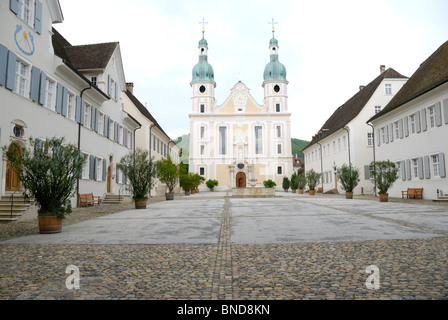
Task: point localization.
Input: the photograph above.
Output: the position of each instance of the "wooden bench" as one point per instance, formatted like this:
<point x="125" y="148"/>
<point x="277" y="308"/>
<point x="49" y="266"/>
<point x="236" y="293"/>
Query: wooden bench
<point x="416" y="193"/>
<point x="86" y="199"/>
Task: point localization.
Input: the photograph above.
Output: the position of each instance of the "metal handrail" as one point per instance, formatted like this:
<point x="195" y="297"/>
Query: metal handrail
<point x="12" y="200"/>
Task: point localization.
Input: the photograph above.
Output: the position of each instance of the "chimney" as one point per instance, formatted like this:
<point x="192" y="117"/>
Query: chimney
<point x="382" y="68"/>
<point x="361" y="87"/>
<point x="130" y="87"/>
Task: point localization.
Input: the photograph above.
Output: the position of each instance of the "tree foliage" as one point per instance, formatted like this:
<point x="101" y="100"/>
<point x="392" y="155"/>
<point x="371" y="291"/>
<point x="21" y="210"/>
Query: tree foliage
<point x="168" y="172"/>
<point x="349" y="177"/>
<point x="384" y="173"/>
<point x="48" y="171"/>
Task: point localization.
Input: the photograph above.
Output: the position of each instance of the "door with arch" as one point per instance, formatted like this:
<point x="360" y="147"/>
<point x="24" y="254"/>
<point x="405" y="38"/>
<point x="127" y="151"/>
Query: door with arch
<point x="12" y="179"/>
<point x="109" y="179"/>
<point x="241" y="180"/>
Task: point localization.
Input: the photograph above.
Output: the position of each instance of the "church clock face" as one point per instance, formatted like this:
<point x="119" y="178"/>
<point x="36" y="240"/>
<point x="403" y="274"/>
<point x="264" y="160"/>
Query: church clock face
<point x="240" y="100"/>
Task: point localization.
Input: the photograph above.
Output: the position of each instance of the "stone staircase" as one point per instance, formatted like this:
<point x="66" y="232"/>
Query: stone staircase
<point x="442" y="199"/>
<point x="112" y="199"/>
<point x="18" y="208"/>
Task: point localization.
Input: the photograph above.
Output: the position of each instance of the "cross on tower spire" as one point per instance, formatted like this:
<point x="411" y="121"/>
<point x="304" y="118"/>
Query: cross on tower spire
<point x="203" y="25"/>
<point x="273" y="25"/>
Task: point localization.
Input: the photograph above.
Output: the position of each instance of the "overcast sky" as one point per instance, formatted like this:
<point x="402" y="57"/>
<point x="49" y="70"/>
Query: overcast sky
<point x="329" y="48"/>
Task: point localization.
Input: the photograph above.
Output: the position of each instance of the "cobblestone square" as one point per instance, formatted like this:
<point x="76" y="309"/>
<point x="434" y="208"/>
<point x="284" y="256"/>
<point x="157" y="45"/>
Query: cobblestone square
<point x="211" y="246"/>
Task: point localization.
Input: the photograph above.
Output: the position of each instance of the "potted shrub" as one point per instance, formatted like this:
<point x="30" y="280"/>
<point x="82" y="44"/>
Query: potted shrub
<point x="211" y="184"/>
<point x="384" y="174"/>
<point x="140" y="171"/>
<point x="294" y="183"/>
<point x="312" y="178"/>
<point x="168" y="172"/>
<point x="269" y="184"/>
<point x="301" y="182"/>
<point x="197" y="180"/>
<point x="285" y="184"/>
<point x="48" y="171"/>
<point x="349" y="178"/>
<point x="186" y="182"/>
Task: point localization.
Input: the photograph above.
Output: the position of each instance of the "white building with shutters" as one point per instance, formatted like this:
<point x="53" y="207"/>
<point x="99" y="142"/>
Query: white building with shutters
<point x="412" y="130"/>
<point x="50" y="88"/>
<point x="345" y="138"/>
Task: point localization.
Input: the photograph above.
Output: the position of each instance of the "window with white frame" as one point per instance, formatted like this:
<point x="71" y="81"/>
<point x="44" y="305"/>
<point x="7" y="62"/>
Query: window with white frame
<point x="344" y="142"/>
<point x="398" y="165"/>
<point x="85" y="168"/>
<point x="22" y="78"/>
<point x="50" y="94"/>
<point x="377" y="109"/>
<point x="279" y="131"/>
<point x="112" y="88"/>
<point x="202" y="171"/>
<point x="435" y="165"/>
<point x="120" y="135"/>
<point x="324" y="151"/>
<point x="202" y="132"/>
<point x="101" y="123"/>
<point x="414" y="163"/>
<point x="222" y="140"/>
<point x="279" y="148"/>
<point x="94" y="80"/>
<point x="87" y="115"/>
<point x="383" y="135"/>
<point x="279" y="170"/>
<point x="412" y="123"/>
<point x="339" y="145"/>
<point x="26" y="11"/>
<point x="71" y="106"/>
<point x="277" y="107"/>
<point x="370" y="139"/>
<point x="432" y="116"/>
<point x="388" y="88"/>
<point x="396" y="130"/>
<point x="202" y="150"/>
<point x="111" y="129"/>
<point x="202" y="106"/>
<point x="99" y="168"/>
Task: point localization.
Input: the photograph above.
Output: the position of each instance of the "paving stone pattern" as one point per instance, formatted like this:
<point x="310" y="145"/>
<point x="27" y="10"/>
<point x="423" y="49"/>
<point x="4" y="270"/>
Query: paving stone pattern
<point x="288" y="247"/>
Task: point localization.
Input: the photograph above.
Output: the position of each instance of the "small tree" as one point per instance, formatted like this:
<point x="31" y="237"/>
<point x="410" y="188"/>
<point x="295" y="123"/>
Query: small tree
<point x="312" y="178"/>
<point x="285" y="183"/>
<point x="349" y="177"/>
<point x="211" y="183"/>
<point x="168" y="172"/>
<point x="384" y="173"/>
<point x="186" y="182"/>
<point x="140" y="170"/>
<point x="269" y="183"/>
<point x="301" y="181"/>
<point x="48" y="171"/>
<point x="294" y="182"/>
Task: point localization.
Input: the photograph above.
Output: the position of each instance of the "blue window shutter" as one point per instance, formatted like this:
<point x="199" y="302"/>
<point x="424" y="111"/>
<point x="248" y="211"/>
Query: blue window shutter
<point x="378" y="137"/>
<point x="92" y="117"/>
<point x="97" y="119"/>
<point x="64" y="101"/>
<point x="406" y="126"/>
<point x="391" y="132"/>
<point x="408" y="169"/>
<point x="38" y="17"/>
<point x="3" y="64"/>
<point x="109" y="85"/>
<point x="125" y="137"/>
<point x="116" y="91"/>
<point x="11" y="71"/>
<point x="400" y="128"/>
<point x="386" y="129"/>
<point x="104" y="170"/>
<point x="442" y="168"/>
<point x="91" y="167"/>
<point x="106" y="126"/>
<point x="14" y="6"/>
<point x="42" y="88"/>
<point x="35" y="77"/>
<point x="403" y="170"/>
<point x="78" y="109"/>
<point x="438" y="110"/>
<point x="424" y="124"/>
<point x="420" y="168"/>
<point x="83" y="110"/>
<point x="427" y="167"/>
<point x="59" y="98"/>
<point x="116" y="131"/>
<point x="417" y="122"/>
<point x="445" y="110"/>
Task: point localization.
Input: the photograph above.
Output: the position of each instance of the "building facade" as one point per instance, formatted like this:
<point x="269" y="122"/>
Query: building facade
<point x="50" y="88"/>
<point x="150" y="136"/>
<point x="240" y="143"/>
<point x="411" y="131"/>
<point x="345" y="138"/>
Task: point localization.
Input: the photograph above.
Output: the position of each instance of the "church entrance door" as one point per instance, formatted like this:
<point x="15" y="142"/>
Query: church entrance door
<point x="12" y="179"/>
<point x="241" y="180"/>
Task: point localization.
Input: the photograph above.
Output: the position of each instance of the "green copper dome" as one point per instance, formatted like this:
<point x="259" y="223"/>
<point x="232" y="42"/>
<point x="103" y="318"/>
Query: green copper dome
<point x="274" y="70"/>
<point x="203" y="71"/>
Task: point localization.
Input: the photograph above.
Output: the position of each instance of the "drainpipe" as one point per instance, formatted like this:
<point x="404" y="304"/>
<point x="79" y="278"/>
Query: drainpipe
<point x="79" y="143"/>
<point x="374" y="157"/>
<point x="348" y="141"/>
<point x="321" y="168"/>
<point x="150" y="140"/>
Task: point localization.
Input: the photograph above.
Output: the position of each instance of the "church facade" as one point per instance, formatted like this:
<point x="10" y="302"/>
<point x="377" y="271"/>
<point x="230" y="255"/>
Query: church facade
<point x="240" y="143"/>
